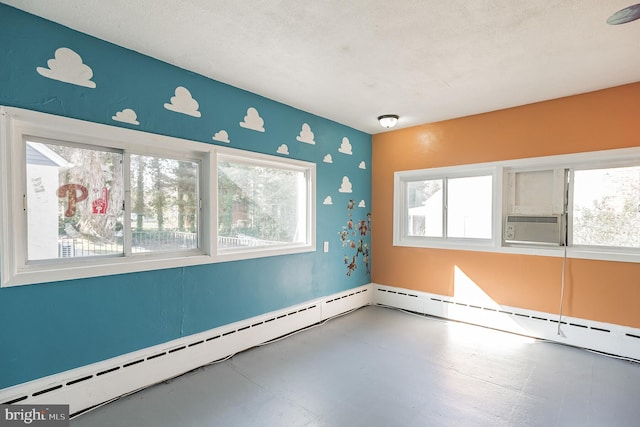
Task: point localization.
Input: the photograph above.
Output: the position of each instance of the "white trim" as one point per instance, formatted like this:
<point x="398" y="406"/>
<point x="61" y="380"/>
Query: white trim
<point x="93" y="384"/>
<point x="7" y="257"/>
<point x="103" y="381"/>
<point x="16" y="122"/>
<point x="309" y="170"/>
<point x="586" y="160"/>
<point x="400" y="237"/>
<point x="605" y="337"/>
<point x="20" y="123"/>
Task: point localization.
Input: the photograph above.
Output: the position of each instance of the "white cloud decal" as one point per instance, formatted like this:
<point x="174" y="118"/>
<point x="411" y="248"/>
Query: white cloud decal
<point x="306" y="135"/>
<point x="345" y="147"/>
<point x="327" y="201"/>
<point x="283" y="149"/>
<point x="346" y="185"/>
<point x="362" y="165"/>
<point x="126" y="116"/>
<point x="221" y="136"/>
<point x="362" y="204"/>
<point x="328" y="159"/>
<point x="67" y="66"/>
<point x="183" y="103"/>
<point x="253" y="120"/>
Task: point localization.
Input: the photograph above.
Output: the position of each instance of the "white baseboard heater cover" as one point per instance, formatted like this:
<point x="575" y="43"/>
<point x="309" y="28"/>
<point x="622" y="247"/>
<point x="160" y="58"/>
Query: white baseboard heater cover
<point x="91" y="385"/>
<point x="599" y="336"/>
<point x="85" y="387"/>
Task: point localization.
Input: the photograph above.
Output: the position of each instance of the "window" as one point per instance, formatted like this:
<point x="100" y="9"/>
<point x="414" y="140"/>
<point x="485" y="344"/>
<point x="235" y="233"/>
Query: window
<point x="606" y="207"/>
<point x="81" y="199"/>
<point x="75" y="206"/>
<point x="469" y="202"/>
<point x="74" y="201"/>
<point x="434" y="207"/>
<point x="584" y="205"/>
<point x="586" y="202"/>
<point x="425" y="208"/>
<point x="264" y="205"/>
<point x="164" y="200"/>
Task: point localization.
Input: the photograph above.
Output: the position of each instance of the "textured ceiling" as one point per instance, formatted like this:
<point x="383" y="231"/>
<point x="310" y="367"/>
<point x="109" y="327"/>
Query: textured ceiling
<point x="351" y="61"/>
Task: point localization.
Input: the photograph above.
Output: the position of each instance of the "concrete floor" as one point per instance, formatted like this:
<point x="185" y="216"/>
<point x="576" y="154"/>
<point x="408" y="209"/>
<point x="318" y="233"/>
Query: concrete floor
<point x="382" y="367"/>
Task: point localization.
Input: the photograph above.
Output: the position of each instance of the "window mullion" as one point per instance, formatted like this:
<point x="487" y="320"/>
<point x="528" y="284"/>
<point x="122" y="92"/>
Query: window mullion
<point x="126" y="204"/>
<point x="445" y="207"/>
<point x="20" y="203"/>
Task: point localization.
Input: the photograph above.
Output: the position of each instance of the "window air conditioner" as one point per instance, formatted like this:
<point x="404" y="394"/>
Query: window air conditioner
<point x="534" y="230"/>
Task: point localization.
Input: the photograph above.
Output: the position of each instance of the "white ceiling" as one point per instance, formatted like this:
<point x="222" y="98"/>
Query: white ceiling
<point x="351" y="61"/>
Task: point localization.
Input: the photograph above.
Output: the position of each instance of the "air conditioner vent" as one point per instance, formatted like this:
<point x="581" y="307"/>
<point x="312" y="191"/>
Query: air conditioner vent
<point x="535" y="230"/>
<point x="533" y="219"/>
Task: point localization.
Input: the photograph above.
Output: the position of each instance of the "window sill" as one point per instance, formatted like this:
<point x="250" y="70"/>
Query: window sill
<point x="482" y="245"/>
<point x="32" y="274"/>
<point x="599" y="254"/>
<point x="240" y="254"/>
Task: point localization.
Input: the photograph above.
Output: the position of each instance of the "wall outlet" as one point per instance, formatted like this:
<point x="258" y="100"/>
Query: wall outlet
<point x="326" y="246"/>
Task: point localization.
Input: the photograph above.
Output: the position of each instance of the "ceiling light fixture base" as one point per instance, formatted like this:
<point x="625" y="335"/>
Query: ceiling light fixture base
<point x="388" y="120"/>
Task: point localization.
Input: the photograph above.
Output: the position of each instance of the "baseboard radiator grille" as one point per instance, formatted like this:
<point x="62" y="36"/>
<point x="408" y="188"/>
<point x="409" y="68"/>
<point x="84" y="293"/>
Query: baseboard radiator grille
<point x="603" y="337"/>
<point x="88" y="386"/>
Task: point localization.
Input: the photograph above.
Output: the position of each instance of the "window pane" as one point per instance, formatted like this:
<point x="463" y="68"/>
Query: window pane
<point x="469" y="207"/>
<point x="260" y="205"/>
<point x="74" y="199"/>
<point x="164" y="204"/>
<point x="425" y="208"/>
<point x="606" y="207"/>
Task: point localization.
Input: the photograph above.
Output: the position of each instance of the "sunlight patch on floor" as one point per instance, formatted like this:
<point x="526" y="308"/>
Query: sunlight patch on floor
<point x="474" y="305"/>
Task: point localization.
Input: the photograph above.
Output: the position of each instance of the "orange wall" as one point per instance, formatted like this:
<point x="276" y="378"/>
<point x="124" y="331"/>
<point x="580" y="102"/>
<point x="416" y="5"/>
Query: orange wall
<point x="596" y="290"/>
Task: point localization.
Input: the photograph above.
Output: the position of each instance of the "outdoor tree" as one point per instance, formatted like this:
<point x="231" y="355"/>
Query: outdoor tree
<point x="100" y="172"/>
<point x="612" y="220"/>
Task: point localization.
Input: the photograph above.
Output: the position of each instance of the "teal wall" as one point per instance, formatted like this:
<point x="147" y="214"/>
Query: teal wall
<point x="52" y="327"/>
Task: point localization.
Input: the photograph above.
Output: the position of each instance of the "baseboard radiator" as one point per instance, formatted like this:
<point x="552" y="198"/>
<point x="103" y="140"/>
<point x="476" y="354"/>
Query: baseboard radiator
<point x="603" y="337"/>
<point x="91" y="385"/>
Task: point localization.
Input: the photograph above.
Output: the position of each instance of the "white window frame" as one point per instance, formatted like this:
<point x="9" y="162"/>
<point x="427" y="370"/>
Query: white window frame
<point x="400" y="234"/>
<point x="16" y="123"/>
<point x="587" y="160"/>
<point x="613" y="253"/>
<point x="309" y="171"/>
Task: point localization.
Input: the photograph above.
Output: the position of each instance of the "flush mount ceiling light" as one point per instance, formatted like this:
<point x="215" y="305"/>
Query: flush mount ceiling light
<point x="388" y="120"/>
<point x="625" y="15"/>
